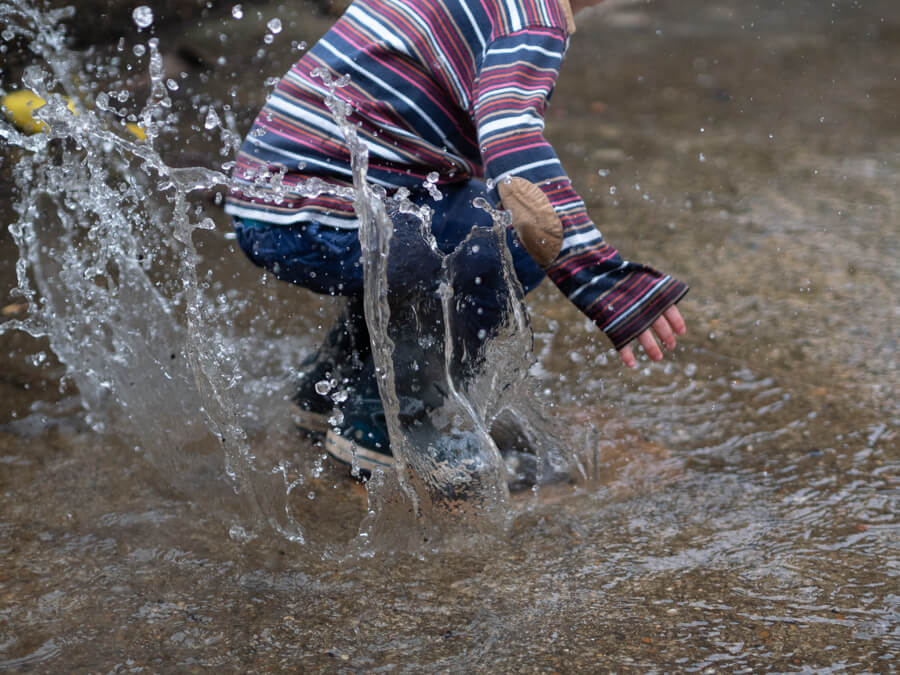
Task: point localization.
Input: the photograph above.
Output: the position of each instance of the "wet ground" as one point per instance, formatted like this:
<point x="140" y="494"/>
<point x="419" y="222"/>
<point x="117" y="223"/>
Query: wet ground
<point x="750" y="149"/>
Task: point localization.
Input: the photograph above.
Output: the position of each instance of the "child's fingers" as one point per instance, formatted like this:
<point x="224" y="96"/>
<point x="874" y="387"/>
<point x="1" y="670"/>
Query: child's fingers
<point x="627" y="357"/>
<point x="664" y="332"/>
<point x="673" y="316"/>
<point x="648" y="342"/>
<point x="666" y="327"/>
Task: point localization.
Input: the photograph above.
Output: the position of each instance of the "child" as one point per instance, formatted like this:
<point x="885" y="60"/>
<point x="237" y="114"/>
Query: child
<point x="452" y="90"/>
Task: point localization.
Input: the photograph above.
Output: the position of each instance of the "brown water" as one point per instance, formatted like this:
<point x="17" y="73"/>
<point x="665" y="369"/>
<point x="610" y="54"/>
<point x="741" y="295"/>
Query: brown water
<point x="743" y="515"/>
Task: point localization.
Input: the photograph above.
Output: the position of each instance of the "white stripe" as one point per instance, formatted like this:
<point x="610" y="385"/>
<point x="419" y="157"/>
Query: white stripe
<point x="640" y="304"/>
<point x="465" y="6"/>
<point x="524" y="91"/>
<point x="525" y="119"/>
<point x="389" y="88"/>
<point x="317" y="120"/>
<point x="331" y="167"/>
<point x="514" y="15"/>
<point x="324" y="123"/>
<point x="527" y="167"/>
<point x="531" y="48"/>
<point x="302" y="216"/>
<point x="570" y="208"/>
<point x="545" y="14"/>
<point x="382" y="31"/>
<point x="334" y="168"/>
<point x="581" y="239"/>
<point x="595" y="280"/>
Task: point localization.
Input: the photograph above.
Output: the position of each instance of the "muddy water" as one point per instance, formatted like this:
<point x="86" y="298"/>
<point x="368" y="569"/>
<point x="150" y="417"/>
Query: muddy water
<point x="742" y="513"/>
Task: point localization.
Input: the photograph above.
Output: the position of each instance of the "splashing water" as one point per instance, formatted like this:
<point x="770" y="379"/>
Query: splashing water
<point x="109" y="269"/>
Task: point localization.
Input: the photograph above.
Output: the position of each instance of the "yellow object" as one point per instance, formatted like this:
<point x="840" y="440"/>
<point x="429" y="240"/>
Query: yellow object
<point x="19" y="107"/>
<point x="136" y="131"/>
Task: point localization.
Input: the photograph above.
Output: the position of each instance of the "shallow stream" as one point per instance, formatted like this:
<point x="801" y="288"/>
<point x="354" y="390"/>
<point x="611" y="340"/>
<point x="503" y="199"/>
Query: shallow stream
<point x="741" y="508"/>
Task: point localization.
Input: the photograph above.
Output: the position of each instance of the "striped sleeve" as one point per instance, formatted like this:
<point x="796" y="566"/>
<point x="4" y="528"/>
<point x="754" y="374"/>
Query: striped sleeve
<point x="516" y="78"/>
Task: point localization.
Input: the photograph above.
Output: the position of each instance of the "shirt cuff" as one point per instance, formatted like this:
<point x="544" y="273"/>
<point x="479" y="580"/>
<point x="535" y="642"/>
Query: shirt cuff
<point x="641" y="298"/>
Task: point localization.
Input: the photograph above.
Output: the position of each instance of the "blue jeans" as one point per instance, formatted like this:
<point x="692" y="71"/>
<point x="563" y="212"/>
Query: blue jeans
<point x="327" y="259"/>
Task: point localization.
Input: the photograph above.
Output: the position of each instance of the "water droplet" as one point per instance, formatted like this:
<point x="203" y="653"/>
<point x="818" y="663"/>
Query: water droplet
<point x="336" y="419"/>
<point x="237" y="12"/>
<point x="212" y="119"/>
<point x="430" y="186"/>
<point x="603" y="172"/>
<point x="139" y="50"/>
<point x="143" y="16"/>
<point x="274" y="25"/>
<point x="323" y="387"/>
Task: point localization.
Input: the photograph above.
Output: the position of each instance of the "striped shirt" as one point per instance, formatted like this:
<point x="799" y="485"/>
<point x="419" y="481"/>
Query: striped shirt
<point x="456" y="87"/>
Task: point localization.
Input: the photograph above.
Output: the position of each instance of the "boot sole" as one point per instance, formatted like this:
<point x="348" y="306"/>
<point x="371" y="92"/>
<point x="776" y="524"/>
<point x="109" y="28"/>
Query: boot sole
<point x="348" y="452"/>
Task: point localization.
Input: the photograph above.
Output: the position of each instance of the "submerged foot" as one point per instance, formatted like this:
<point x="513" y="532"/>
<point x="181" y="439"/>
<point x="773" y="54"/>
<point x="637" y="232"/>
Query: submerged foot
<point x="451" y="463"/>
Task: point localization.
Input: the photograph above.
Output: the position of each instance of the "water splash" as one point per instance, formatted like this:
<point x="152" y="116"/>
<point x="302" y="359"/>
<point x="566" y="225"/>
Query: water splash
<point x="108" y="267"/>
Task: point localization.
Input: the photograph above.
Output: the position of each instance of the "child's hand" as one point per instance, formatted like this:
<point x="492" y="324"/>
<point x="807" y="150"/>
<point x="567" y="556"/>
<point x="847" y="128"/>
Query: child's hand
<point x="666" y="327"/>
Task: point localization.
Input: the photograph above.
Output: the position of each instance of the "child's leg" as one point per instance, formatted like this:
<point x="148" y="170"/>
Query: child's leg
<point x="444" y="306"/>
<point x="474" y="276"/>
<point x="481" y="292"/>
